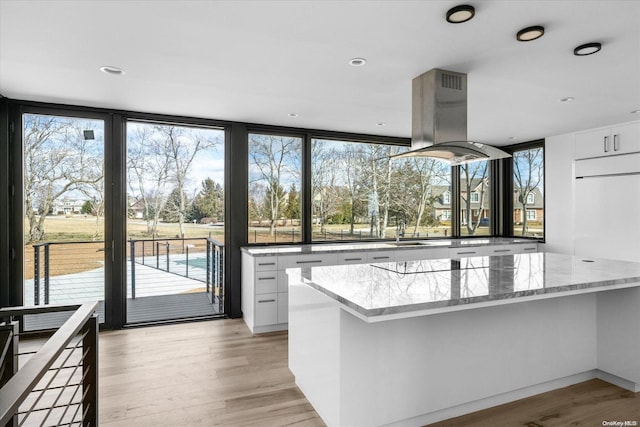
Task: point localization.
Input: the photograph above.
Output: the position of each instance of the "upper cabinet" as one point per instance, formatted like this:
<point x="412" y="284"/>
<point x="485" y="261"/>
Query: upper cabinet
<point x="621" y="139"/>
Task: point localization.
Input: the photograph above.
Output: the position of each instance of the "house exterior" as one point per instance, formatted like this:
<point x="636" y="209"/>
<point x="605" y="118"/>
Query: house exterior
<point x="67" y="206"/>
<point x="533" y="206"/>
<point x="477" y="195"/>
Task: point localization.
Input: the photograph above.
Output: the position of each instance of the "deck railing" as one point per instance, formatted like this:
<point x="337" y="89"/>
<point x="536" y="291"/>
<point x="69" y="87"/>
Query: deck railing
<point x="58" y="384"/>
<point x="200" y="259"/>
<point x="215" y="272"/>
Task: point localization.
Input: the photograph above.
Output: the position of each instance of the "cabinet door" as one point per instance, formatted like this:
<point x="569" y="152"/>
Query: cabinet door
<point x="266" y="309"/>
<point x="625" y="138"/>
<point x="595" y="143"/>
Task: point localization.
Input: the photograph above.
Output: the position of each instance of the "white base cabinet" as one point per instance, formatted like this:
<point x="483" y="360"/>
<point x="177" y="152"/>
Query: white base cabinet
<point x="265" y="288"/>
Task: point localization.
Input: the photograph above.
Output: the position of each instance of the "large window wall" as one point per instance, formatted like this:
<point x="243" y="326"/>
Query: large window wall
<point x="475" y="199"/>
<point x="358" y="192"/>
<point x="281" y="185"/>
<point x="528" y="191"/>
<point x="275" y="180"/>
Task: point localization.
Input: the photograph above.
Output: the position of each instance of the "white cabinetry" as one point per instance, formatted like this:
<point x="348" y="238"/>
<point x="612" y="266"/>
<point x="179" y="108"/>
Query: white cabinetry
<point x="472" y="251"/>
<point x="621" y="139"/>
<point x="265" y="290"/>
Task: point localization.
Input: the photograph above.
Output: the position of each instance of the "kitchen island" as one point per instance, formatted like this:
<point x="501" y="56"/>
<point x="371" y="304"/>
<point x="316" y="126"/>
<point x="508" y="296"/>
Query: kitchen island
<point x="408" y="343"/>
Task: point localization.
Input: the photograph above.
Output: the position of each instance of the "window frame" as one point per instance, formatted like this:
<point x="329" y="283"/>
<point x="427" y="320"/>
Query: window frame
<point x="508" y="188"/>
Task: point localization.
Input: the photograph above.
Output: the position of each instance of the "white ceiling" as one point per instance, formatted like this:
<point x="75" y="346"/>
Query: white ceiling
<point x="258" y="61"/>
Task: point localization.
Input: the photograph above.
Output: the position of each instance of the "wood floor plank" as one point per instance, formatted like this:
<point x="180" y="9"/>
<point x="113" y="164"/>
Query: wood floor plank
<point x="215" y="373"/>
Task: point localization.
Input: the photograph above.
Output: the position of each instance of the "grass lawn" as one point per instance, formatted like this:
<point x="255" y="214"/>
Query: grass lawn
<point x="72" y="257"/>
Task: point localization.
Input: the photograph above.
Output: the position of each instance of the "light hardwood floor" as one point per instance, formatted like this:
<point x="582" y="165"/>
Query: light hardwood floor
<point x="198" y="374"/>
<point x="216" y="373"/>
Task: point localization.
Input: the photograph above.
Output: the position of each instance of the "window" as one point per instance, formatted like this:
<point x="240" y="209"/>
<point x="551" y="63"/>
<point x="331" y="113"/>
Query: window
<point x="528" y="191"/>
<point x="359" y="193"/>
<point x="275" y="179"/>
<point x="446" y="215"/>
<point x="475" y="199"/>
<point x="446" y="199"/>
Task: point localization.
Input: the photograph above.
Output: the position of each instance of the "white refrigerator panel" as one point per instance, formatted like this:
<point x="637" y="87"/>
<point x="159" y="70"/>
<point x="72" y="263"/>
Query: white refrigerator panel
<point x="607" y="217"/>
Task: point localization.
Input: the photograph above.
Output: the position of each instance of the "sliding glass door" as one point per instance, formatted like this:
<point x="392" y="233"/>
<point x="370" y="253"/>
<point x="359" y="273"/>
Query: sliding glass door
<point x="175" y="221"/>
<point x="64" y="213"/>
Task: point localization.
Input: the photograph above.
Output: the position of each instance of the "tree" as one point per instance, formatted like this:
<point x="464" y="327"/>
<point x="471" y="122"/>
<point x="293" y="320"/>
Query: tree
<point x="209" y="202"/>
<point x="292" y="209"/>
<point x="474" y="175"/>
<point x="57" y="160"/>
<point x="274" y="159"/>
<point x="527" y="176"/>
<point x="87" y="208"/>
<point x="148" y="171"/>
<point x="161" y="157"/>
<point x="324" y="180"/>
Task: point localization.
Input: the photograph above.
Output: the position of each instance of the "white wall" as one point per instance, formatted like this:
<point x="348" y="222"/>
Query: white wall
<point x="559" y="197"/>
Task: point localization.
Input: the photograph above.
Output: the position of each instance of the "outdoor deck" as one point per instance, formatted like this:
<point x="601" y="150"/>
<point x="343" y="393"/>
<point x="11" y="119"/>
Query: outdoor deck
<point x="159" y="295"/>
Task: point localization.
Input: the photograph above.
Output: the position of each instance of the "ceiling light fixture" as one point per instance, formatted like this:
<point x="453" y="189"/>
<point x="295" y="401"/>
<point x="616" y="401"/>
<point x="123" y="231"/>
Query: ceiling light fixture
<point x="530" y="33"/>
<point x="381" y="124"/>
<point x="567" y="99"/>
<point x="587" y="49"/>
<point x="114" y="71"/>
<point x="635" y="112"/>
<point x="357" y="62"/>
<point x="293" y="115"/>
<point x="460" y="14"/>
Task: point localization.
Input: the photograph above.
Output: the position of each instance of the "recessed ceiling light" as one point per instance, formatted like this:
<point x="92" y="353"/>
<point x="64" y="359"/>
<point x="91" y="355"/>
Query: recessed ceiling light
<point x="293" y="115"/>
<point x="530" y="33"/>
<point x="380" y="124"/>
<point x="115" y="71"/>
<point x="587" y="49"/>
<point x="511" y="138"/>
<point x="460" y="14"/>
<point x="357" y="62"/>
<point x="567" y="99"/>
<point x="635" y="112"/>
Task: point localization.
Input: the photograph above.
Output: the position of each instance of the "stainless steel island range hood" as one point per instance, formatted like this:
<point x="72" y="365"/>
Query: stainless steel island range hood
<point x="439" y="120"/>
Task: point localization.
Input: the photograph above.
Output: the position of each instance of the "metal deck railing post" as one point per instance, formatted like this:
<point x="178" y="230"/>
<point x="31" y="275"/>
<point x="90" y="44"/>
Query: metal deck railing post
<point x="167" y="256"/>
<point x="132" y="254"/>
<point x="208" y="280"/>
<point x="90" y="373"/>
<point x="36" y="274"/>
<point x="46" y="274"/>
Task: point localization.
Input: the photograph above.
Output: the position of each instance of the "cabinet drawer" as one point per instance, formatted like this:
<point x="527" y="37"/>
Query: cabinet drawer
<point x="468" y="252"/>
<point x="283" y="307"/>
<point x="352" y="258"/>
<point x="266" y="282"/>
<point x="526" y="248"/>
<point x="502" y="250"/>
<point x="420" y="254"/>
<point x="313" y="260"/>
<point x="266" y="310"/>
<point x="381" y="256"/>
<point x="266" y="263"/>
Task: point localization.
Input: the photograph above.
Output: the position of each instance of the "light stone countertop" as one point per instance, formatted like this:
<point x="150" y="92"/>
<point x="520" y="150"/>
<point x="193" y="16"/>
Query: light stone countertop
<point x="317" y="248"/>
<point x="384" y="291"/>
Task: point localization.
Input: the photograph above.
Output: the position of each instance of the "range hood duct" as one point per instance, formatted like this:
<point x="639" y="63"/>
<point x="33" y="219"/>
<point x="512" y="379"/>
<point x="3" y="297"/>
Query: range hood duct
<point x="439" y="120"/>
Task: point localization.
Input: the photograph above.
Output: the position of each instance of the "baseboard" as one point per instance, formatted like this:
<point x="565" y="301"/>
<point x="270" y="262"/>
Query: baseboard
<point x="616" y="380"/>
<point x="496" y="400"/>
